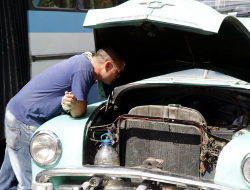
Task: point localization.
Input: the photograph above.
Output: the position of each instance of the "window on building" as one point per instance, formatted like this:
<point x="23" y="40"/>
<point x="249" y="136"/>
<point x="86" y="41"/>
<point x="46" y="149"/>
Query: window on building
<point x="53" y="3"/>
<point x="98" y="4"/>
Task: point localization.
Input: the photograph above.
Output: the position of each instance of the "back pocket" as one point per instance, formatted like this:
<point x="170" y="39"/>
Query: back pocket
<point x="13" y="138"/>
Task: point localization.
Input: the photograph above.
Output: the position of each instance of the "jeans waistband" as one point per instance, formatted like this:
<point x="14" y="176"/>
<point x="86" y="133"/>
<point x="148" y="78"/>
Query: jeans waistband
<point x="11" y="118"/>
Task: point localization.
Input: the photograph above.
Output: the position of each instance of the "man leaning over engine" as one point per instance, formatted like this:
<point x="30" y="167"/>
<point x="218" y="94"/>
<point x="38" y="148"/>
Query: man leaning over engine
<point x="40" y="100"/>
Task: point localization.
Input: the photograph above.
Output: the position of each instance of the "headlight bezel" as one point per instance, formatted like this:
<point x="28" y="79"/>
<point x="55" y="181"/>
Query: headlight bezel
<point x="57" y="145"/>
<point x="242" y="168"/>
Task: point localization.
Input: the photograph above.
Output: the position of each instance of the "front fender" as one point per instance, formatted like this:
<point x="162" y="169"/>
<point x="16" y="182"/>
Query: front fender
<point x="228" y="170"/>
<point x="71" y="132"/>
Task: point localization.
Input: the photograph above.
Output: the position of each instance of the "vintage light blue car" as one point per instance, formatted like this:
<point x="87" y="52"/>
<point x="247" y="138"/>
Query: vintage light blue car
<point x="188" y="129"/>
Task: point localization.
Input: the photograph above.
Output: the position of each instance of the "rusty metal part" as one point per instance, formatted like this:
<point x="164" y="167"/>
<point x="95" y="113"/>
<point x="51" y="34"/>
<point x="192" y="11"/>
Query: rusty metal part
<point x="152" y="163"/>
<point x="245" y="120"/>
<point x="203" y="166"/>
<point x="95" y="182"/>
<point x="213" y="128"/>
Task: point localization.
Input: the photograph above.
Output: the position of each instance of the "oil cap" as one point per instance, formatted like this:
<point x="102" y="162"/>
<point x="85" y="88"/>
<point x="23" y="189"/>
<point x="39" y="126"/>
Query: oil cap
<point x="106" y="141"/>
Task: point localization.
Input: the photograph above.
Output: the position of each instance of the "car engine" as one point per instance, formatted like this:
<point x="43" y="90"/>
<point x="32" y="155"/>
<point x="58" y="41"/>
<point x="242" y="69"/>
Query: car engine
<point x="177" y="129"/>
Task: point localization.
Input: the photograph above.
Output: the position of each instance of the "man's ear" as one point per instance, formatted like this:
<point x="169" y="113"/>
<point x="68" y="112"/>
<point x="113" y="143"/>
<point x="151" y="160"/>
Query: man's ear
<point x="108" y="66"/>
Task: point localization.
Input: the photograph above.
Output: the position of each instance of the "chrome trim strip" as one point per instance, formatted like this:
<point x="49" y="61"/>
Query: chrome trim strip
<point x="58" y="147"/>
<point x="242" y="165"/>
<point x="123" y="172"/>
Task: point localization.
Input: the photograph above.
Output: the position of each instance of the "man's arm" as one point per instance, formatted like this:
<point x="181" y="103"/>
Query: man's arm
<point x="79" y="109"/>
<point x="70" y="104"/>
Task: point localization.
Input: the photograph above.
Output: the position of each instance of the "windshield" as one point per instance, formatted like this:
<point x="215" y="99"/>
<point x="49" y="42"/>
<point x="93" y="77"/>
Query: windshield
<point x="239" y="8"/>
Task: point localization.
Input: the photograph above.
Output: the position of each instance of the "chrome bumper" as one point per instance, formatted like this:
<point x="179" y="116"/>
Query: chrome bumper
<point x="123" y="172"/>
<point x="41" y="186"/>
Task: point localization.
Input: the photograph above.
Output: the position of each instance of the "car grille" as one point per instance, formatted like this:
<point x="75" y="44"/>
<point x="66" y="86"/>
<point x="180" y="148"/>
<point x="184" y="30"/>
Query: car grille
<point x="177" y="144"/>
<point x="172" y="140"/>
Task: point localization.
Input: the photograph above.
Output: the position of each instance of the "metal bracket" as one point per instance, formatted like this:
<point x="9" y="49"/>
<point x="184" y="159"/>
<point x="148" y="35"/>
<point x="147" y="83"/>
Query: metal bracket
<point x="152" y="163"/>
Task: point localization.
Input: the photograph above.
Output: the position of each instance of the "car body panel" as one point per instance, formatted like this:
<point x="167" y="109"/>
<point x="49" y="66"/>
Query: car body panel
<point x="201" y="77"/>
<point x="188" y="15"/>
<point x="228" y="171"/>
<point x="71" y="132"/>
<point x="198" y="77"/>
<point x="73" y="144"/>
<point x="184" y="15"/>
<point x="245" y="22"/>
<point x="186" y="38"/>
<point x="117" y="16"/>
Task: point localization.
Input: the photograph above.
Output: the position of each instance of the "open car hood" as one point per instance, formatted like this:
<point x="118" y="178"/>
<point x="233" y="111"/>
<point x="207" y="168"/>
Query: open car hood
<point x="161" y="37"/>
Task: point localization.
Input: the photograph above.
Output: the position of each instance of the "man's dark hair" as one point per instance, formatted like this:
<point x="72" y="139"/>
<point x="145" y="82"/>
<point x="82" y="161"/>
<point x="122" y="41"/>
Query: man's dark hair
<point x="108" y="54"/>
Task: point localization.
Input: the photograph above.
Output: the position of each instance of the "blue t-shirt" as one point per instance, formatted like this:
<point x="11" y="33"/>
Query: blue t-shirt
<point x="40" y="99"/>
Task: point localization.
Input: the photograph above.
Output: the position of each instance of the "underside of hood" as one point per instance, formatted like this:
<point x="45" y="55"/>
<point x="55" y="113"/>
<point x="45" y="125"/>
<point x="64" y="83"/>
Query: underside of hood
<point x="157" y="41"/>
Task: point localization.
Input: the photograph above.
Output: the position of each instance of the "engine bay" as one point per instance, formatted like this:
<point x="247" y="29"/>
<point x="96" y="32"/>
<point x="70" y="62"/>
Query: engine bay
<point x="174" y="128"/>
<point x="224" y="109"/>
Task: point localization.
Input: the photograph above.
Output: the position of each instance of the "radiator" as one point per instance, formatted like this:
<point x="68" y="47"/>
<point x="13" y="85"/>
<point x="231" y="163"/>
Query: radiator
<point x="177" y="144"/>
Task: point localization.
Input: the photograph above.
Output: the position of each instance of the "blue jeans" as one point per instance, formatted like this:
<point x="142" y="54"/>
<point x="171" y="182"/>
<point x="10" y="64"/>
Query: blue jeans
<point x="16" y="172"/>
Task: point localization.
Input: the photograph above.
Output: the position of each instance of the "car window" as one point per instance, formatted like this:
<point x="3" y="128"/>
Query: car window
<point x="241" y="8"/>
<point x="53" y="3"/>
<point x="98" y="4"/>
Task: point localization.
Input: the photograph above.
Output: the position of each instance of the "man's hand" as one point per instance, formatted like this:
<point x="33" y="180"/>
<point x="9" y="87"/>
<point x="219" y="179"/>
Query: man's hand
<point x="68" y="101"/>
<point x="89" y="55"/>
<point x="76" y="108"/>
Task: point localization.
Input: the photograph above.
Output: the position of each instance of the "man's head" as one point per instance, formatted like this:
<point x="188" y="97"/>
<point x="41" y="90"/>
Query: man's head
<point x="107" y="65"/>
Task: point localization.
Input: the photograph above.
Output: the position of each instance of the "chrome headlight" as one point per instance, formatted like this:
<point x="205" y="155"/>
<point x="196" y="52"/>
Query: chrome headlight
<point x="45" y="148"/>
<point x="245" y="166"/>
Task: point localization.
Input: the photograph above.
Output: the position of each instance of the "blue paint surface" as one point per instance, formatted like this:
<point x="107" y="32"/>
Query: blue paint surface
<point x="56" y="22"/>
